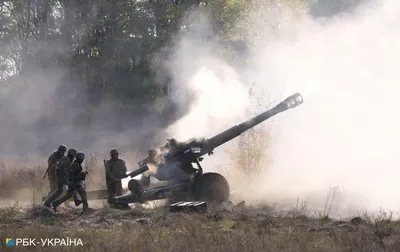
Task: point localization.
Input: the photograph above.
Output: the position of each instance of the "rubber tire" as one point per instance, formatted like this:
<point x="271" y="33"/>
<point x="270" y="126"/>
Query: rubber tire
<point x="212" y="186"/>
<point x="134" y="186"/>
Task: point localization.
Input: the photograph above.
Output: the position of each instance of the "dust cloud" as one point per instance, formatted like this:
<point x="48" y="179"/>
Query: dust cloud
<point x="218" y="93"/>
<point x="47" y="104"/>
<point x="346" y="132"/>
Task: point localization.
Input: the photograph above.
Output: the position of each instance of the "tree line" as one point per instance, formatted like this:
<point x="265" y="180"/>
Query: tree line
<point x="106" y="51"/>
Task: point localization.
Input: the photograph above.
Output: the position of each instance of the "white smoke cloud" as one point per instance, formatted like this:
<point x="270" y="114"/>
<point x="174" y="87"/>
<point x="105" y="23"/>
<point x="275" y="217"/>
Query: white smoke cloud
<point x="346" y="132"/>
<point x="220" y="96"/>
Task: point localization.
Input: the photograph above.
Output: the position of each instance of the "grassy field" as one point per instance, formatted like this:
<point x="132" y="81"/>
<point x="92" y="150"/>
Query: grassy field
<point x="237" y="228"/>
<point x="230" y="228"/>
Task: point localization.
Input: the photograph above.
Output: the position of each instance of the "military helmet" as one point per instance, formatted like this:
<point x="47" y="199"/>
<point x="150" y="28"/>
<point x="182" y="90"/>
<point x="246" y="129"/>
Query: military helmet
<point x="80" y="156"/>
<point x="72" y="152"/>
<point x="114" y="152"/>
<point x="62" y="148"/>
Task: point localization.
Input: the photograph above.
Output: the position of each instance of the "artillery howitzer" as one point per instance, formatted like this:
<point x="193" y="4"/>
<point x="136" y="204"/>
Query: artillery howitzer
<point x="173" y="163"/>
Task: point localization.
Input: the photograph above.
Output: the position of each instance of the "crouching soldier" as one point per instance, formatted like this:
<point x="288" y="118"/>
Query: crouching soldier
<point x="61" y="176"/>
<point x="76" y="176"/>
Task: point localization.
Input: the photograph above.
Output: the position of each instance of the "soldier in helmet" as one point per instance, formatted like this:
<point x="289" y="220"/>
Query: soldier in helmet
<point x="75" y="177"/>
<point x="61" y="176"/>
<point x="51" y="168"/>
<point x="115" y="171"/>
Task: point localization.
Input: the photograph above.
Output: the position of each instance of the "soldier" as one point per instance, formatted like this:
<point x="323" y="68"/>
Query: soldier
<point x="61" y="175"/>
<point x="76" y="176"/>
<point x="115" y="171"/>
<point x="51" y="168"/>
<point x="150" y="159"/>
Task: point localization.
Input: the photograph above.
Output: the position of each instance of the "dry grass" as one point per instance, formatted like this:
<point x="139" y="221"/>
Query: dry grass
<point x="240" y="229"/>
<point x="17" y="173"/>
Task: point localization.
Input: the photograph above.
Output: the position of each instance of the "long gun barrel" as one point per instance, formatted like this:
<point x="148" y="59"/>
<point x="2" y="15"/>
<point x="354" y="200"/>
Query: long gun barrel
<point x="138" y="171"/>
<point x="227" y="135"/>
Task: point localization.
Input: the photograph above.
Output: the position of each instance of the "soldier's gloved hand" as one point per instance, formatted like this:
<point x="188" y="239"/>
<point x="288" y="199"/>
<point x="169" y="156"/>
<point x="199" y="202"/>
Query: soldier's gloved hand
<point x="83" y="175"/>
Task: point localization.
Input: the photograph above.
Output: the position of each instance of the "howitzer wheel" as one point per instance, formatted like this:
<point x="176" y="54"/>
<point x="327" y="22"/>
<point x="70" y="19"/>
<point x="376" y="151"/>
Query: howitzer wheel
<point x="212" y="187"/>
<point x="135" y="186"/>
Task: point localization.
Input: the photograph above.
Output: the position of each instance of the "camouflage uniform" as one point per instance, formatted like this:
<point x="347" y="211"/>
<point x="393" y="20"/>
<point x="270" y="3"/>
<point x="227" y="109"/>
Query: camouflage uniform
<point x="150" y="159"/>
<point x="115" y="171"/>
<point x="75" y="178"/>
<point x="51" y="169"/>
<point x="61" y="176"/>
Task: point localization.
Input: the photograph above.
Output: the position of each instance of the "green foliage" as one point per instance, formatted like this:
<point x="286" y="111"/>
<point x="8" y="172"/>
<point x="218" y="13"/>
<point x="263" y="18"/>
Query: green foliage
<point x="108" y="47"/>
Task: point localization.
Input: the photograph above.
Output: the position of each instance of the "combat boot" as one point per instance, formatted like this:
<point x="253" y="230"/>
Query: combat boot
<point x="54" y="206"/>
<point x="85" y="206"/>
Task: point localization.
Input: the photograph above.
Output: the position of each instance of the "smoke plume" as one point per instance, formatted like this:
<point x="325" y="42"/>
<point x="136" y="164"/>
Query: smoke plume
<point x="343" y="58"/>
<point x="346" y="132"/>
<point x="46" y="104"/>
